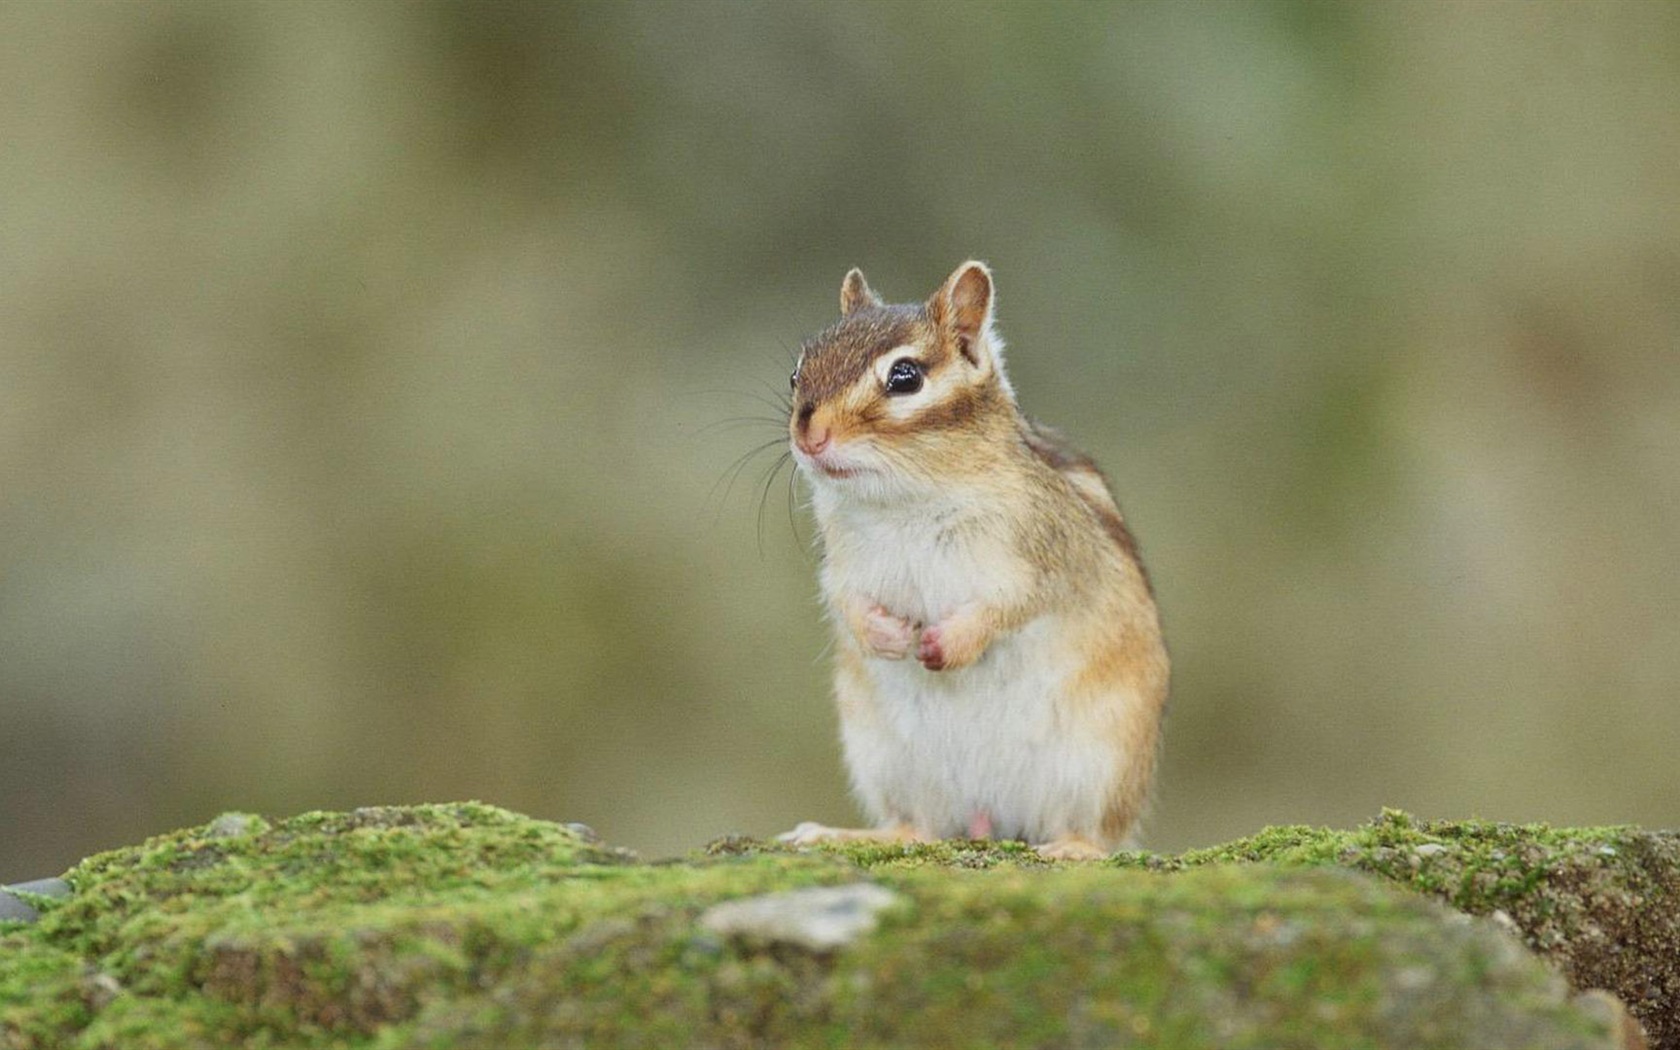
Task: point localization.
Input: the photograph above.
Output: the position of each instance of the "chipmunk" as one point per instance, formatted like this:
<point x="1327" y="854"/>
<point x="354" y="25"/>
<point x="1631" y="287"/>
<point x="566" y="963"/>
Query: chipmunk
<point x="1000" y="666"/>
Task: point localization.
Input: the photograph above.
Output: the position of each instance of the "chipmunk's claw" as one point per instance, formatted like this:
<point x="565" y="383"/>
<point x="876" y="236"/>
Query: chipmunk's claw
<point x="929" y="650"/>
<point x="954" y="642"/>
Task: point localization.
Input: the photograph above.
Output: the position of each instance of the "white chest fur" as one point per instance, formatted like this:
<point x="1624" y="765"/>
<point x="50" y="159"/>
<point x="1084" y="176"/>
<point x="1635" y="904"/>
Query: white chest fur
<point x="1001" y="738"/>
<point x="919" y="561"/>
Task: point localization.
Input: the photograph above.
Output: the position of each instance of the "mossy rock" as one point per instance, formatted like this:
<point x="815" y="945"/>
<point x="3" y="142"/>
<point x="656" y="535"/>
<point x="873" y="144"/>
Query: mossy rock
<point x="466" y="925"/>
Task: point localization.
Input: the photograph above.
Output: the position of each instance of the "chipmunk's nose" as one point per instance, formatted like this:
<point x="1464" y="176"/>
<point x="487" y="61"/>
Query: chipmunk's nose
<point x="811" y="439"/>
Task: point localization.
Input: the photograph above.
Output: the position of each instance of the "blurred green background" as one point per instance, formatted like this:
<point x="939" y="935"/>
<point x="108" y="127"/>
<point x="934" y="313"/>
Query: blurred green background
<point x="362" y="367"/>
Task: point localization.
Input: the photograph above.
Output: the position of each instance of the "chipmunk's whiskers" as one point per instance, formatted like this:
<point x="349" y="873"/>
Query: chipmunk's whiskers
<point x="764" y="495"/>
<point x="733" y="472"/>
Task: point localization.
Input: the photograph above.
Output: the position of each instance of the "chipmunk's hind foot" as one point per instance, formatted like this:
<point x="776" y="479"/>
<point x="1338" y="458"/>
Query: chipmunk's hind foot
<point x="1071" y="847"/>
<point x="811" y="833"/>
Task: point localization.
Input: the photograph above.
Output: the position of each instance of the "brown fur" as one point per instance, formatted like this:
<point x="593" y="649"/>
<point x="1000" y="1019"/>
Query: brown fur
<point x="838" y="356"/>
<point x="1134" y="655"/>
<point x="955" y="412"/>
<point x="1050" y="446"/>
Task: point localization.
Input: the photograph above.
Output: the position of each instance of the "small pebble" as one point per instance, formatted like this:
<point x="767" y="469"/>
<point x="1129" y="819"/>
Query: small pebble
<point x="819" y="920"/>
<point x="101" y="989"/>
<point x="1431" y="849"/>
<point x="233" y="825"/>
<point x="1503" y="920"/>
<point x="583" y="831"/>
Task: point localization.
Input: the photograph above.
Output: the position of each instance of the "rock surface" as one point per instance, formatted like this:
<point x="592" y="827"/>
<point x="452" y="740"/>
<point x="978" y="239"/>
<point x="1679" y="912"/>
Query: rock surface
<point x="13" y="908"/>
<point x="466" y="925"/>
<point x="14" y="904"/>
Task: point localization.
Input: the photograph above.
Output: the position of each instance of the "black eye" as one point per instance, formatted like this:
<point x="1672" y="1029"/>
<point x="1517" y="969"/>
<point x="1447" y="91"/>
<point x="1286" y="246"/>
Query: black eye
<point x="793" y="379"/>
<point x="904" y="377"/>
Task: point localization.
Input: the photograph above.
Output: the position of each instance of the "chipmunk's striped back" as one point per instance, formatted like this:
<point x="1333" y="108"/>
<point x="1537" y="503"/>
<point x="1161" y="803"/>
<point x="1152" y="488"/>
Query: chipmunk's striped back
<point x="1082" y="471"/>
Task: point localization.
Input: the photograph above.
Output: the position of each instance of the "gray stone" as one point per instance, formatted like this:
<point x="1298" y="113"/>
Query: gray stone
<point x="15" y="910"/>
<point x="819" y="920"/>
<point x="42" y="888"/>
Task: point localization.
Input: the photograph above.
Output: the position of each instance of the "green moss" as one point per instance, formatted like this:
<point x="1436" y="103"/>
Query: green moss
<point x="467" y="925"/>
<point x="1602" y="904"/>
<point x="951" y="853"/>
<point x="1219" y="957"/>
<point x="43" y="992"/>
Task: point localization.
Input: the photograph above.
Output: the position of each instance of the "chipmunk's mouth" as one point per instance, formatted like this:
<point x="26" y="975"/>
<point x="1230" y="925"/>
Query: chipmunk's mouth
<point x="830" y="461"/>
<point x="828" y="468"/>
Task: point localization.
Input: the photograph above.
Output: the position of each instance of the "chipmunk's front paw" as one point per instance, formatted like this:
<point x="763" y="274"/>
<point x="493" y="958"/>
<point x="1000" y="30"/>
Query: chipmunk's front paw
<point x="886" y="635"/>
<point x="952" y="643"/>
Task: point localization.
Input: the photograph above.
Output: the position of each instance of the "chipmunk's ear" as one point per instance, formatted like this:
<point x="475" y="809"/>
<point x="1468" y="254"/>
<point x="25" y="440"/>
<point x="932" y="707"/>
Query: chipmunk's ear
<point x="855" y="293"/>
<point x="963" y="306"/>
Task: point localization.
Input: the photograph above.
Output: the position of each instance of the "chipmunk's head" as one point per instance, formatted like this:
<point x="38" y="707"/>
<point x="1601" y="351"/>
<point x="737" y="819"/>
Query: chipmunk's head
<point x="892" y="398"/>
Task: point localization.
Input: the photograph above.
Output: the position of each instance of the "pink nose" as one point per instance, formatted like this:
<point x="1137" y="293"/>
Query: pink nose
<point x="813" y="440"/>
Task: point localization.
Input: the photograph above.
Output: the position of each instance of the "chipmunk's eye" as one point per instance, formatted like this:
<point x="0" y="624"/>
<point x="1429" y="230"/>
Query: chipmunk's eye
<point x="904" y="377"/>
<point x="793" y="379"/>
